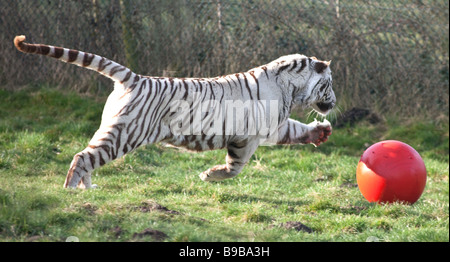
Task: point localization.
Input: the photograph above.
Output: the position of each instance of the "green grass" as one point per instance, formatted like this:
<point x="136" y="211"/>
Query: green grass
<point x="42" y="128"/>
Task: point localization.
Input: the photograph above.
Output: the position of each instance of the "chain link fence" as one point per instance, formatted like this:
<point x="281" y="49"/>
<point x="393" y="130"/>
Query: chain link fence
<point x="391" y="56"/>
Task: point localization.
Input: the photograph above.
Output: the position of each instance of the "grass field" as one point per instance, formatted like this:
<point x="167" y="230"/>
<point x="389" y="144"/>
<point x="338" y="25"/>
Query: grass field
<point x="285" y="193"/>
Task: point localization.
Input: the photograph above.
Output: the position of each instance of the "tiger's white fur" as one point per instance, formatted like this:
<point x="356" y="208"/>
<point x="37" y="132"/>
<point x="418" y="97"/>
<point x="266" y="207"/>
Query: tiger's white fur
<point x="140" y="109"/>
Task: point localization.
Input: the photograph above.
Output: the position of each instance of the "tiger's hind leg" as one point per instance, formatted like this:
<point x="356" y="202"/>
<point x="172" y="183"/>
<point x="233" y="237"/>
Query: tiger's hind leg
<point x="83" y="163"/>
<point x="106" y="145"/>
<point x="78" y="170"/>
<point x="237" y="157"/>
<point x="84" y="183"/>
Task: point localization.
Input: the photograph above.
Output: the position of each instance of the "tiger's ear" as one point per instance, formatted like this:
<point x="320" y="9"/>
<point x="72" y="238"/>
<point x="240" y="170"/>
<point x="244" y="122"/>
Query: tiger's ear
<point x="320" y="66"/>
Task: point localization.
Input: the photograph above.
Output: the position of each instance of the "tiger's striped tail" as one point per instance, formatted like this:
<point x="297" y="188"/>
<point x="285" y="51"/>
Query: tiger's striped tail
<point x="104" y="66"/>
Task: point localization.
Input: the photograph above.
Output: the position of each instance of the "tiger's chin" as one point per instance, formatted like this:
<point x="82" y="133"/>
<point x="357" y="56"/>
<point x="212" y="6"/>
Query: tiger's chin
<point x="323" y="108"/>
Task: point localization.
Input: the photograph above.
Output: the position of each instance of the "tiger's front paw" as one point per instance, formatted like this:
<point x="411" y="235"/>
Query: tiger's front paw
<point x="217" y="173"/>
<point x="319" y="133"/>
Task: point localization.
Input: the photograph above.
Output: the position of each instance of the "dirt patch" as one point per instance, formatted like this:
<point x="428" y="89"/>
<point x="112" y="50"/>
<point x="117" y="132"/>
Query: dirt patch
<point x="348" y="185"/>
<point x="298" y="226"/>
<point x="156" y="235"/>
<point x="352" y="209"/>
<point x="33" y="238"/>
<point x="150" y="206"/>
<point x="355" y="115"/>
<point x="89" y="208"/>
<point x="117" y="231"/>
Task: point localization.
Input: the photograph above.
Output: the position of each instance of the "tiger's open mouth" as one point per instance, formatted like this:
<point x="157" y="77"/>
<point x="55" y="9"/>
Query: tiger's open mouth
<point x="323" y="108"/>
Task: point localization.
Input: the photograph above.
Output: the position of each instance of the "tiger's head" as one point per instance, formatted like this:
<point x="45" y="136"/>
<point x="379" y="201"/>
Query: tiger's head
<point x="309" y="79"/>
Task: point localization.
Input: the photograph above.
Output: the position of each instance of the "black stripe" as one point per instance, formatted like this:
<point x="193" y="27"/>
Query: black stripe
<point x="235" y="145"/>
<point x="187" y="89"/>
<point x="323" y="87"/>
<point x="240" y="85"/>
<point x="116" y="69"/>
<point x="294" y="65"/>
<point x="302" y="66"/>
<point x="73" y="54"/>
<point x="147" y="102"/>
<point x="318" y="82"/>
<point x="288" y="132"/>
<point x="125" y="149"/>
<point x="126" y="77"/>
<point x="111" y="133"/>
<point x="100" y="157"/>
<point x="223" y="91"/>
<point x="281" y="69"/>
<point x="232" y="154"/>
<point x="92" y="159"/>
<point x="264" y="68"/>
<point x="252" y="73"/>
<point x="229" y="85"/>
<point x="148" y="127"/>
<point x="87" y="59"/>
<point x="119" y="128"/>
<point x="198" y="146"/>
<point x="151" y="120"/>
<point x="44" y="49"/>
<point x="210" y="142"/>
<point x="135" y="82"/>
<point x="58" y="52"/>
<point x="212" y="91"/>
<point x="31" y="48"/>
<point x="102" y="65"/>
<point x="247" y="86"/>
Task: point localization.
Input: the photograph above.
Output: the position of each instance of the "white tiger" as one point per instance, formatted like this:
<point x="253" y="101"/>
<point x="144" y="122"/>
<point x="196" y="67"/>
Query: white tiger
<point x="143" y="110"/>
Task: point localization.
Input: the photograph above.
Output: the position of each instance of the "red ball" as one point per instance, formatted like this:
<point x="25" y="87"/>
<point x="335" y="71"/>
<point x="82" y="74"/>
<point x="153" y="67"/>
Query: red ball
<point x="391" y="171"/>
